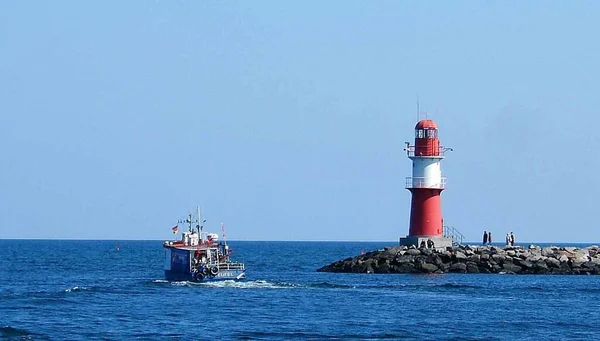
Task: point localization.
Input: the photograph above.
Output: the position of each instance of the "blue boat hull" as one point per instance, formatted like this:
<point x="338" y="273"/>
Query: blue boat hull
<point x="179" y="266"/>
<point x="189" y="277"/>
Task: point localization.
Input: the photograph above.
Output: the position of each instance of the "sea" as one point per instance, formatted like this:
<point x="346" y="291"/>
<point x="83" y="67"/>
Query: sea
<point x="115" y="290"/>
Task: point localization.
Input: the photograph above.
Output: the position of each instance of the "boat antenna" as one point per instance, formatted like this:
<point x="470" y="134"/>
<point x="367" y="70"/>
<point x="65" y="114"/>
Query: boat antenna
<point x="201" y="222"/>
<point x="190" y="222"/>
<point x="223" y="230"/>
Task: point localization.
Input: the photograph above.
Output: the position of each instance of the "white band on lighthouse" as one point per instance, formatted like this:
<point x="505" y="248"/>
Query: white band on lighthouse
<point x="427" y="173"/>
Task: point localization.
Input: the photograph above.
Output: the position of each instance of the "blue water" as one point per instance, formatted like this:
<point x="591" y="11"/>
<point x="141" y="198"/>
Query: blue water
<point x="86" y="290"/>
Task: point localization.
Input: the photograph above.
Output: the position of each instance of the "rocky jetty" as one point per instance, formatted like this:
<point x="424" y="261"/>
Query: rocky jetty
<point x="474" y="259"/>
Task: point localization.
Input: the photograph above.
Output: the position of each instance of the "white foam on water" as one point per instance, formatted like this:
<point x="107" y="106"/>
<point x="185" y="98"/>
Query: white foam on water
<point x="76" y="288"/>
<point x="160" y="281"/>
<point x="181" y="283"/>
<point x="258" y="284"/>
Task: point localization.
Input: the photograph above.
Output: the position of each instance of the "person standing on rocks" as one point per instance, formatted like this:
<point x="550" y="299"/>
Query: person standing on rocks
<point x="489" y="238"/>
<point x="508" y="239"/>
<point x="512" y="239"/>
<point x="485" y="237"/>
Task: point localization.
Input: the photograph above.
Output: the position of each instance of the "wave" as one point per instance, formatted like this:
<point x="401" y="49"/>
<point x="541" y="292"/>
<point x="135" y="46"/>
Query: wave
<point x="327" y="285"/>
<point x="460" y="286"/>
<point x="47" y="295"/>
<point x="318" y="336"/>
<point x="256" y="284"/>
<point x="8" y="333"/>
<point x="77" y="288"/>
<point x="423" y="286"/>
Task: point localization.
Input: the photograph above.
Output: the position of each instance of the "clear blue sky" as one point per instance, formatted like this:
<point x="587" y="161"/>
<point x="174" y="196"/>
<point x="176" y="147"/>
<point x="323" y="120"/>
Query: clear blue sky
<point x="287" y="120"/>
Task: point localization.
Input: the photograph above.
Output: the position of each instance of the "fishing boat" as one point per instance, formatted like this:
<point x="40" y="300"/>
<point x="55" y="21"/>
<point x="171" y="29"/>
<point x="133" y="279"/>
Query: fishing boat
<point x="199" y="256"/>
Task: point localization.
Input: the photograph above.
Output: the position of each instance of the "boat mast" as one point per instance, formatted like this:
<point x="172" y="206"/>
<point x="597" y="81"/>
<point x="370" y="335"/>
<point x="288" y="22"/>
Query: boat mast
<point x="200" y="224"/>
<point x="190" y="221"/>
<point x="223" y="231"/>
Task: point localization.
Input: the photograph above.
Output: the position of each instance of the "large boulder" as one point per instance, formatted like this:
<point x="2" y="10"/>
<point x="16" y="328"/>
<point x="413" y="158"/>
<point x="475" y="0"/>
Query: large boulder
<point x="552" y="262"/>
<point x="523" y="263"/>
<point x="383" y="269"/>
<point x="459" y="256"/>
<point x="535" y="258"/>
<point x="547" y="251"/>
<point x="458" y="267"/>
<point x="565" y="268"/>
<point x="437" y="260"/>
<point x="537" y="251"/>
<point x="510" y="267"/>
<point x="472" y="268"/>
<point x="445" y="256"/>
<point x="405" y="259"/>
<point x="428" y="268"/>
<point x="590" y="265"/>
<point x="413" y="252"/>
<point x="474" y="258"/>
<point x="576" y="263"/>
<point x="405" y="268"/>
<point x="498" y="258"/>
<point x="540" y="267"/>
<point x="524" y="255"/>
<point x="445" y="267"/>
<point x="496" y="268"/>
<point x="389" y="253"/>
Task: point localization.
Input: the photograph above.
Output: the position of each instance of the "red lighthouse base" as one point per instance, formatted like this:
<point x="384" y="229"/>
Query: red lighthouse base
<point x="425" y="213"/>
<point x="426" y="223"/>
<point x="418" y="241"/>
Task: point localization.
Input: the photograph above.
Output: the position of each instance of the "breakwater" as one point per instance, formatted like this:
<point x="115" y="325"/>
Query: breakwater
<point x="474" y="259"/>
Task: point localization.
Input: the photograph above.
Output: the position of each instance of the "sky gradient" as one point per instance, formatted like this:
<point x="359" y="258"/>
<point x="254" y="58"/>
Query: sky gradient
<point x="287" y="120"/>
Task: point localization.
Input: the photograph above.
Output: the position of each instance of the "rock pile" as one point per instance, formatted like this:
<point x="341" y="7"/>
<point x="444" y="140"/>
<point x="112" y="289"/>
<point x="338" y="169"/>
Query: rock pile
<point x="474" y="259"/>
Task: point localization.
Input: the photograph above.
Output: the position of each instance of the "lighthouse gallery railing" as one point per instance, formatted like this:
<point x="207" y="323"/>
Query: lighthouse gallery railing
<point x="412" y="182"/>
<point x="413" y="151"/>
<point x="451" y="232"/>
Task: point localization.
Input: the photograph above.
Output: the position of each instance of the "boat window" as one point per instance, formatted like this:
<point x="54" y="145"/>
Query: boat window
<point x="431" y="133"/>
<point x="419" y="133"/>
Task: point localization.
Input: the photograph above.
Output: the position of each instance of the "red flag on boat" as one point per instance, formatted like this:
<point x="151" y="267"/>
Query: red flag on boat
<point x="174" y="228"/>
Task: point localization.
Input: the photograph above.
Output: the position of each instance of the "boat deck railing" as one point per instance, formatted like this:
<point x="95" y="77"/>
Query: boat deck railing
<point x="231" y="266"/>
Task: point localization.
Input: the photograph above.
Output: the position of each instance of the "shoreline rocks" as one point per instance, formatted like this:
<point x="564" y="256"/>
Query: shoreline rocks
<point x="474" y="259"/>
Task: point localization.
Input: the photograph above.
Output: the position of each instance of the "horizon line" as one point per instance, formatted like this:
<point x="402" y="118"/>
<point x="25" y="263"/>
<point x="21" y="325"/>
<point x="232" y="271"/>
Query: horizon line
<point x="298" y="240"/>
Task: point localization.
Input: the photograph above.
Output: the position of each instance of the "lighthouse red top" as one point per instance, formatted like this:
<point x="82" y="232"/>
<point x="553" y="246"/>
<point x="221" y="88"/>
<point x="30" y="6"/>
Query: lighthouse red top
<point x="426" y="124"/>
<point x="426" y="139"/>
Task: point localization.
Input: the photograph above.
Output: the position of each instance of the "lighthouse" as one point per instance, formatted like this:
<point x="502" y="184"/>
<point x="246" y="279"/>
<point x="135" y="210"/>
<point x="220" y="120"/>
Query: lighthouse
<point x="426" y="185"/>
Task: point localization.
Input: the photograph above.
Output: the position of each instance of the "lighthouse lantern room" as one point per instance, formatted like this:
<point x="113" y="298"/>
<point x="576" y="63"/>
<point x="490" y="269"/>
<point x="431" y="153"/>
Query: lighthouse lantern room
<point x="426" y="185"/>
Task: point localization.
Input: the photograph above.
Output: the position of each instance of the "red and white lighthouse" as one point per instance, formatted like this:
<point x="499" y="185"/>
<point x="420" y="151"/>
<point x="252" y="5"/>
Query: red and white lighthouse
<point x="426" y="186"/>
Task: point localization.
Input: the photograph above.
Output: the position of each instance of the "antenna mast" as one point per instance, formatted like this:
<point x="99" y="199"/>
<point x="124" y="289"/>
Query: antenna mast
<point x="200" y="223"/>
<point x="190" y="221"/>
